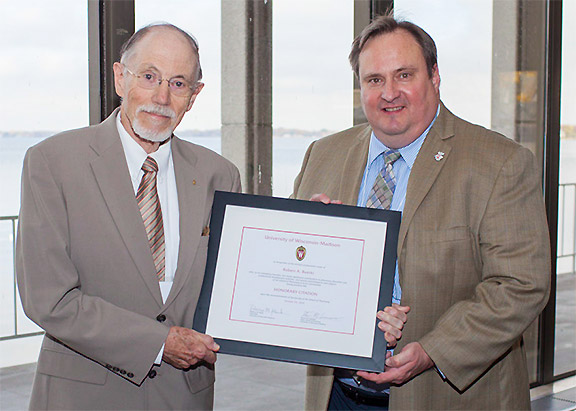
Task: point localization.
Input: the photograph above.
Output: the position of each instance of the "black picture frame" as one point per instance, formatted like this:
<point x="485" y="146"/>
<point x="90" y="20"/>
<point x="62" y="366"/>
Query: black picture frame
<point x="289" y="354"/>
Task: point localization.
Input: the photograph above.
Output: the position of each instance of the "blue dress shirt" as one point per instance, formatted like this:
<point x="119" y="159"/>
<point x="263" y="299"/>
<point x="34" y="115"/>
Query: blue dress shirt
<point x="401" y="168"/>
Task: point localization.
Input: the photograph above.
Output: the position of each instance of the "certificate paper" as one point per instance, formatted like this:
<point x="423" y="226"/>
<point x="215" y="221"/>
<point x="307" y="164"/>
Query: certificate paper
<point x="298" y="281"/>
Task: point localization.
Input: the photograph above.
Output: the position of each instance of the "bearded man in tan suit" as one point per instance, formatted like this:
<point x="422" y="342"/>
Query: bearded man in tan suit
<point x="473" y="251"/>
<point x="114" y="293"/>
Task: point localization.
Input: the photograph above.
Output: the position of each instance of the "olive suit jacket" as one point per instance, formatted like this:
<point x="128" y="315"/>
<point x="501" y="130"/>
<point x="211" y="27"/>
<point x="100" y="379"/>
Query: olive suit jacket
<point x="473" y="260"/>
<point x="87" y="277"/>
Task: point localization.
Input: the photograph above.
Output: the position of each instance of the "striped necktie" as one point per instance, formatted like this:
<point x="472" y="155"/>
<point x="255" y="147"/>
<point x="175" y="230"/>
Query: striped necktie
<point x="149" y="204"/>
<point x="381" y="193"/>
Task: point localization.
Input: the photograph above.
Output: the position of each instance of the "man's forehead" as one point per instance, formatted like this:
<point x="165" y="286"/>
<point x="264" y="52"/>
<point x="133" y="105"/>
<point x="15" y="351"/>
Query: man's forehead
<point x="393" y="46"/>
<point x="160" y="39"/>
<point x="162" y="48"/>
<point x="398" y="39"/>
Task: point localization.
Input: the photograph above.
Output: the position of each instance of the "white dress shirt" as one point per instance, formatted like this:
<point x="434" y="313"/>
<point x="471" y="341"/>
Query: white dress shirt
<point x="167" y="192"/>
<point x="168" y="195"/>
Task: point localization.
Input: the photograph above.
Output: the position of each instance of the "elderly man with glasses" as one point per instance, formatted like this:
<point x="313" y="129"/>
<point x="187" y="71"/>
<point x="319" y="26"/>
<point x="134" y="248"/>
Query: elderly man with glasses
<point x="113" y="238"/>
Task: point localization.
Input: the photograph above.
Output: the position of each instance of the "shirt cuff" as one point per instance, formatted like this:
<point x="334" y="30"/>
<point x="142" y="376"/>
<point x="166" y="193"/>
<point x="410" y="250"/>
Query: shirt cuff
<point x="158" y="359"/>
<point x="437" y="370"/>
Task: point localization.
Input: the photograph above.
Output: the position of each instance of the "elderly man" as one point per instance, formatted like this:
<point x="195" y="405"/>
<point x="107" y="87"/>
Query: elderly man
<point x="473" y="252"/>
<point x="112" y="242"/>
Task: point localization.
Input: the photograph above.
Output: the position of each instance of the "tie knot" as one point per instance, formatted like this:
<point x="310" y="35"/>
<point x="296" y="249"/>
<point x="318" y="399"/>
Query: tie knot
<point x="390" y="156"/>
<point x="150" y="165"/>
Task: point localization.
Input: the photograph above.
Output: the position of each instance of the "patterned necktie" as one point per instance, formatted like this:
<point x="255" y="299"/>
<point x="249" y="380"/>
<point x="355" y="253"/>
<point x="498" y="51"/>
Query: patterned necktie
<point x="149" y="204"/>
<point x="380" y="197"/>
<point x="381" y="193"/>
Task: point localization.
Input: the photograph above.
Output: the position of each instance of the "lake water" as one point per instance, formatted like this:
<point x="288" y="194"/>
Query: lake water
<point x="286" y="161"/>
<point x="287" y="158"/>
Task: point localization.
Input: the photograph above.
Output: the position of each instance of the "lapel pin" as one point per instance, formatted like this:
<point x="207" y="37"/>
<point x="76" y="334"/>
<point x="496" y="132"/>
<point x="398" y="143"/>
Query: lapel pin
<point x="439" y="156"/>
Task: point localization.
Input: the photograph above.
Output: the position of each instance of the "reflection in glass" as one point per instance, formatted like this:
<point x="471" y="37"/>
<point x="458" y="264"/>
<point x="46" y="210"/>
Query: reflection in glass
<point x="565" y="332"/>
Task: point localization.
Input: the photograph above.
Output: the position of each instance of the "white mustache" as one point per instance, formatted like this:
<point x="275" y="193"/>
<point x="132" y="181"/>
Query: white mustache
<point x="160" y="110"/>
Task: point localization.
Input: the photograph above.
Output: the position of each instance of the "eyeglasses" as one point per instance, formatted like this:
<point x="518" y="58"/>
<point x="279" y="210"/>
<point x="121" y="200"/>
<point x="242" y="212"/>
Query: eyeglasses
<point x="150" y="80"/>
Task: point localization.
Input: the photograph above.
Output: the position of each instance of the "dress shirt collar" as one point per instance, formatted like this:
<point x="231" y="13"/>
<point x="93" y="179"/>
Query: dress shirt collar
<point x="408" y="152"/>
<point x="136" y="155"/>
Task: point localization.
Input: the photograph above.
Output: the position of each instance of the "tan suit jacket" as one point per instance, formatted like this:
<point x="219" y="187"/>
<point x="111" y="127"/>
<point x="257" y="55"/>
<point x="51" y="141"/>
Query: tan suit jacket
<point x="473" y="257"/>
<point x="87" y="277"/>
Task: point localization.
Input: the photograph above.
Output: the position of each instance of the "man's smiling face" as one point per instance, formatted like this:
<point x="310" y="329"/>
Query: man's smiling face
<point x="399" y="97"/>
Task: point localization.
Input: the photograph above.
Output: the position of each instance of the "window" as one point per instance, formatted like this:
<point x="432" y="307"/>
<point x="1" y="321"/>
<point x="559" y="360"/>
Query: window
<point x="462" y="32"/>
<point x="200" y="18"/>
<point x="44" y="54"/>
<point x="46" y="81"/>
<point x="565" y="333"/>
<point x="491" y="57"/>
<point x="312" y="80"/>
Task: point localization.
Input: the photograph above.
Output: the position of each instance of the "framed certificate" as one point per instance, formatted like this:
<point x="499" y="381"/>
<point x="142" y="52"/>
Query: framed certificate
<point x="298" y="281"/>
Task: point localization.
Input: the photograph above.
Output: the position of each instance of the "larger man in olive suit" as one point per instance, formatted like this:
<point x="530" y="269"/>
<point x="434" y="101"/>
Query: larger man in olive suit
<point x="112" y="242"/>
<point x="473" y="251"/>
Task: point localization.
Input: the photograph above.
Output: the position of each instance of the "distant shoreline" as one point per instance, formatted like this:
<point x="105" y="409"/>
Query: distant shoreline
<point x="278" y="132"/>
<point x="567" y="132"/>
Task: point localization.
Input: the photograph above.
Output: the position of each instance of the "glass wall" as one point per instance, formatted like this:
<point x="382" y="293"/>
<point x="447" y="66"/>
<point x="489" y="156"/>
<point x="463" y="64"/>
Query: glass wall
<point x="44" y="54"/>
<point x="491" y="58"/>
<point x="46" y="87"/>
<point x="565" y="335"/>
<point x="491" y="61"/>
<point x="201" y="19"/>
<point x="312" y="80"/>
<point x="462" y="31"/>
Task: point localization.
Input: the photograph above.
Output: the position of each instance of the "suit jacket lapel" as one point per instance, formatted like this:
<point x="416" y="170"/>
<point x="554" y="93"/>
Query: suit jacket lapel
<point x="113" y="178"/>
<point x="426" y="168"/>
<point x="354" y="166"/>
<point x="191" y="186"/>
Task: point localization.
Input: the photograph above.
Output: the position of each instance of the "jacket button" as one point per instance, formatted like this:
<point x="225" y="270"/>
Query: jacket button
<point x="152" y="374"/>
<point x="130" y="375"/>
<point x="161" y="318"/>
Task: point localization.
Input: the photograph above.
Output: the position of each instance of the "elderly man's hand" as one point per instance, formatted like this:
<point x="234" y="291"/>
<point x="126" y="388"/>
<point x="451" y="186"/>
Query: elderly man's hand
<point x="185" y="347"/>
<point x="402" y="367"/>
<point x="392" y="320"/>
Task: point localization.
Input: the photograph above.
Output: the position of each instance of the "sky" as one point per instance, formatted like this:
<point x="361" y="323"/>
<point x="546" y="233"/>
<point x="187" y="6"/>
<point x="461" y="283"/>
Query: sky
<point x="44" y="54"/>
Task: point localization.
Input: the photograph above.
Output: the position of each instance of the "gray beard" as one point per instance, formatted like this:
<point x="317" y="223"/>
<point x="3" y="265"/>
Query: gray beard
<point x="150" y="135"/>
